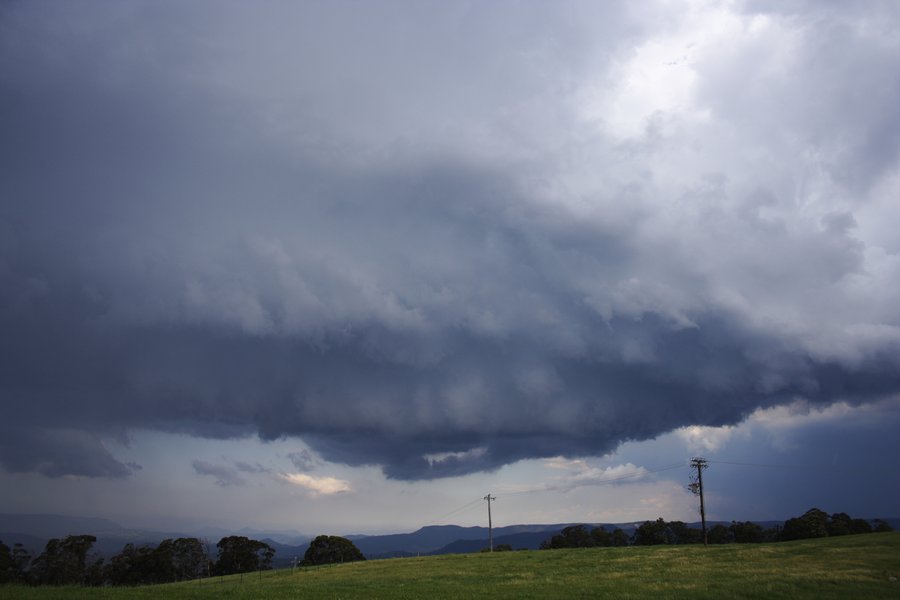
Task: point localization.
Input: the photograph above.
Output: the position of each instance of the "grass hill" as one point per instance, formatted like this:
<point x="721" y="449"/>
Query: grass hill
<point x="859" y="566"/>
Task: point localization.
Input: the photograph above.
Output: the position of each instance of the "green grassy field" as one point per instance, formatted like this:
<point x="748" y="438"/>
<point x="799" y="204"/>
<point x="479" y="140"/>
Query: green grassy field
<point x="861" y="566"/>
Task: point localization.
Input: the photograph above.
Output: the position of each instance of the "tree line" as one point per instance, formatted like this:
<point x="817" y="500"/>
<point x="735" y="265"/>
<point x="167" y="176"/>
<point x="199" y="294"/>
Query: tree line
<point x="812" y="524"/>
<point x="69" y="561"/>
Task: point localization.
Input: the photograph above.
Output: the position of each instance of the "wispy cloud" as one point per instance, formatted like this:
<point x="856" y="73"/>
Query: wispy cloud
<point x="585" y="474"/>
<point x="224" y="476"/>
<point x="245" y="467"/>
<point x="304" y="460"/>
<point x="579" y="473"/>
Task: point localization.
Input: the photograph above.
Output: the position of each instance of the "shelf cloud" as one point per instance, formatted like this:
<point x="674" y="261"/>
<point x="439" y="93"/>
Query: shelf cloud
<point x="433" y="257"/>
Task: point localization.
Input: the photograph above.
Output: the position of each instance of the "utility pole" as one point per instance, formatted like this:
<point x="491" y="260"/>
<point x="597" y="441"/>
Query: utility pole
<point x="697" y="488"/>
<point x="490" y="524"/>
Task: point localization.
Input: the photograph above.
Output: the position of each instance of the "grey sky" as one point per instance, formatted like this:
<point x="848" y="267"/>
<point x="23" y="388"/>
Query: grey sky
<point x="438" y="238"/>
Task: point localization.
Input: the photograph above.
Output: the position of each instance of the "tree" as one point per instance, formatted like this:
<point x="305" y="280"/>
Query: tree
<point x="189" y="558"/>
<point x="7" y="566"/>
<point x="171" y="560"/>
<point x="574" y="536"/>
<point x="651" y="533"/>
<point x="719" y="534"/>
<point x="328" y="549"/>
<point x="239" y="554"/>
<point x="21" y="560"/>
<point x="65" y="561"/>
<point x="160" y="561"/>
<point x="499" y="548"/>
<point x="746" y="532"/>
<point x="881" y="526"/>
<point x="127" y="567"/>
<point x="860" y="526"/>
<point x="772" y="534"/>
<point x="619" y="537"/>
<point x="813" y="524"/>
<point x="601" y="537"/>
<point x="577" y="536"/>
<point x="840" y="524"/>
<point x="677" y="532"/>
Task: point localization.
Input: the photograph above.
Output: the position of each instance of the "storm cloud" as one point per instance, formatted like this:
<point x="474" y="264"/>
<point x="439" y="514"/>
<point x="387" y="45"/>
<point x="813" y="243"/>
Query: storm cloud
<point x="439" y="238"/>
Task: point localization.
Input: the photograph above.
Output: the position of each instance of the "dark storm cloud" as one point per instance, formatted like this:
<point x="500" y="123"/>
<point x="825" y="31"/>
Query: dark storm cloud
<point x="224" y="238"/>
<point x="59" y="452"/>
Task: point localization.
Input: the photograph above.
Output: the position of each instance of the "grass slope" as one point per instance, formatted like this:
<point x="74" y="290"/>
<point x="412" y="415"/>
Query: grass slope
<point x="861" y="566"/>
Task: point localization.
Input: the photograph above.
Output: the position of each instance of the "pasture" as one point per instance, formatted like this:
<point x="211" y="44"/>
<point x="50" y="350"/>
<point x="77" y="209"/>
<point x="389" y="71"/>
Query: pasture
<point x="859" y="566"/>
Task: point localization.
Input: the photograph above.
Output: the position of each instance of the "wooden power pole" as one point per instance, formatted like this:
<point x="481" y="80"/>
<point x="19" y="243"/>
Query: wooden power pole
<point x="697" y="487"/>
<point x="490" y="524"/>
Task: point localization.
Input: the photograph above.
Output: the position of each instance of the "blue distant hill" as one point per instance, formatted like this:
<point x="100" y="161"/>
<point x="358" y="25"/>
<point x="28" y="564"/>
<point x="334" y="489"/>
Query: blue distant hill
<point x="33" y="531"/>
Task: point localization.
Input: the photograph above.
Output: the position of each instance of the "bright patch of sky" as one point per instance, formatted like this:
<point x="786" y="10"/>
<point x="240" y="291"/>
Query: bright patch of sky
<point x="754" y="467"/>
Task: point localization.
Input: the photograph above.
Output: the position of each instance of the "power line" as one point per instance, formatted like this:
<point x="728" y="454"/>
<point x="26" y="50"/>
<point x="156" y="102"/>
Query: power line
<point x="807" y="467"/>
<point x="463" y="508"/>
<point x="696" y="463"/>
<point x="607" y="481"/>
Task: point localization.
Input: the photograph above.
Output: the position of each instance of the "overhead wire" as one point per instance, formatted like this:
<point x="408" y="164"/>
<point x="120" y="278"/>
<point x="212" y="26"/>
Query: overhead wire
<point x="474" y="503"/>
<point x="469" y="506"/>
<point x="596" y="482"/>
<point x="852" y="468"/>
<point x="459" y="510"/>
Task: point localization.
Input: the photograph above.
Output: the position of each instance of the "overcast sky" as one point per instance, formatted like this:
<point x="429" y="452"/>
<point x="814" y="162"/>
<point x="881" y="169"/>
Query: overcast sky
<point x="349" y="266"/>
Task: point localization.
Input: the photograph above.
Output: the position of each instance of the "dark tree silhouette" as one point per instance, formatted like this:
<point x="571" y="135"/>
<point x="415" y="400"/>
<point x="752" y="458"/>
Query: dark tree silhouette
<point x="189" y="558"/>
<point x="746" y="532"/>
<point x="183" y="558"/>
<point x="651" y="533"/>
<point x="719" y="534"/>
<point x="66" y="562"/>
<point x="619" y="537"/>
<point x="577" y="536"/>
<point x="328" y="549"/>
<point x="7" y="566"/>
<point x="677" y="532"/>
<point x="238" y="554"/>
<point x="881" y="526"/>
<point x="574" y="536"/>
<point x="812" y="524"/>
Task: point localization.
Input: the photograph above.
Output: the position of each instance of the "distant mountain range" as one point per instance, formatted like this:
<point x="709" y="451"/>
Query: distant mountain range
<point x="33" y="531"/>
<point x="436" y="539"/>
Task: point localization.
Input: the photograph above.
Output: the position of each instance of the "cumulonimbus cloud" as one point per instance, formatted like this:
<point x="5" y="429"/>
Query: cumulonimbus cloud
<point x="534" y="262"/>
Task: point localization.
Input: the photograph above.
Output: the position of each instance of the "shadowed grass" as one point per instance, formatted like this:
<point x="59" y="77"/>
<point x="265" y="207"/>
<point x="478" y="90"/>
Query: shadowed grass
<point x="846" y="567"/>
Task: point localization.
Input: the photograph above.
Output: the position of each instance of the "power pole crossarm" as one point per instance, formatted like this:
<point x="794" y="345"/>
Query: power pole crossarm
<point x="490" y="524"/>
